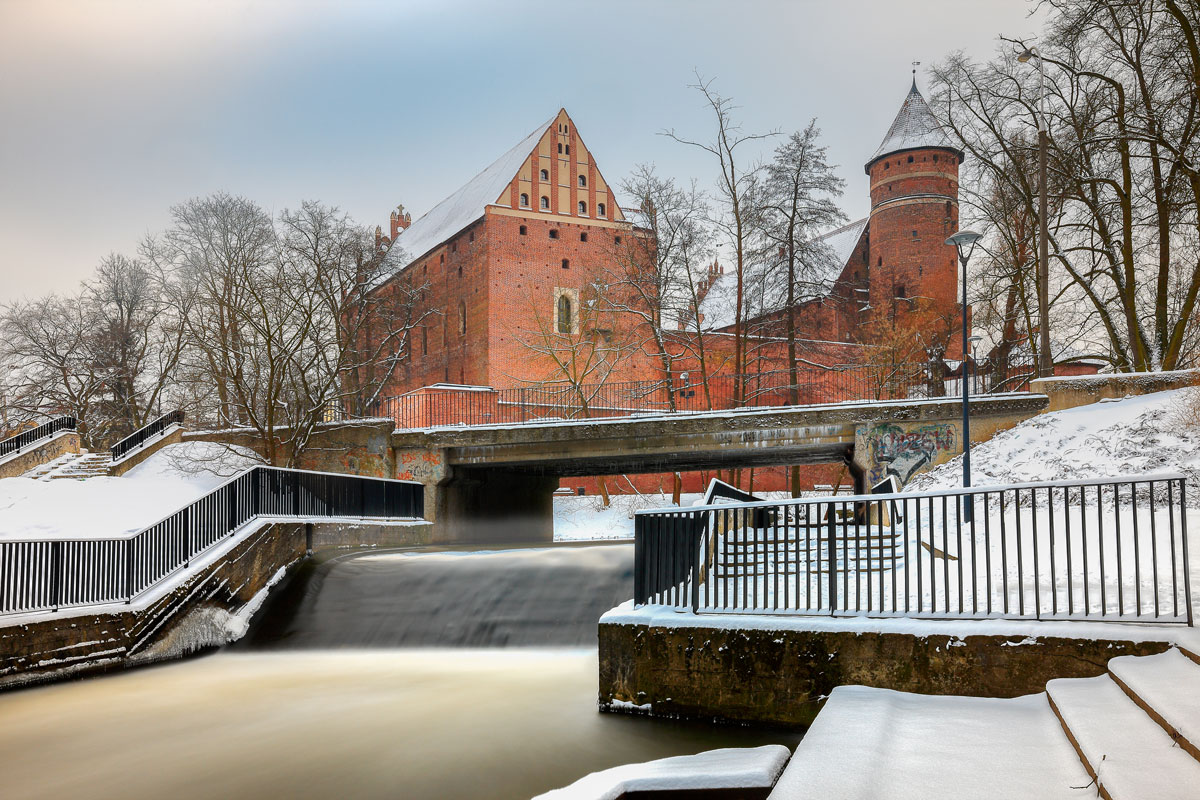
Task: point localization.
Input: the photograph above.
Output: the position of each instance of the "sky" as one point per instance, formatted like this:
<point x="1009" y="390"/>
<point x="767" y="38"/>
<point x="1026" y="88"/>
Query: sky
<point x="112" y="111"/>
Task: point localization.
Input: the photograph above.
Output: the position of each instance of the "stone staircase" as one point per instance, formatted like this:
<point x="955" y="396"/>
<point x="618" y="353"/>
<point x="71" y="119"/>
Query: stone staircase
<point x="72" y="466"/>
<point x="1136" y="729"/>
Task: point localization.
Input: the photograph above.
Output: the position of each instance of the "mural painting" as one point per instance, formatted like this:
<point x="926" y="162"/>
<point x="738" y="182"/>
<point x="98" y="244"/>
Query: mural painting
<point x="903" y="453"/>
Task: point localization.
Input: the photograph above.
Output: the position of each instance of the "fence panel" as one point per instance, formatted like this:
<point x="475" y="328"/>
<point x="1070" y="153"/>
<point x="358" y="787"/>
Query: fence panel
<point x="1112" y="550"/>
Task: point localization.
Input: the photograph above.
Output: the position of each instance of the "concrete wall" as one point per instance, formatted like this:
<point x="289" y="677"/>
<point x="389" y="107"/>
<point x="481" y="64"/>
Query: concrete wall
<point x="1080" y="390"/>
<point x="52" y="646"/>
<point x="360" y="447"/>
<point x="782" y="676"/>
<point x="18" y="464"/>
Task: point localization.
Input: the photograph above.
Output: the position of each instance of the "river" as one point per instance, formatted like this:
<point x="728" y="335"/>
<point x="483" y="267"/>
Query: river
<point x="400" y="675"/>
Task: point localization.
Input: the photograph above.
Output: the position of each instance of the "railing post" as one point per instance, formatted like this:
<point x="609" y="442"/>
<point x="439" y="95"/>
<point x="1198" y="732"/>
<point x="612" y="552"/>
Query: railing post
<point x="128" y="571"/>
<point x="832" y="556"/>
<point x="56" y="574"/>
<point x="1187" y="565"/>
<point x="698" y="544"/>
<point x="187" y="536"/>
<point x="639" y="560"/>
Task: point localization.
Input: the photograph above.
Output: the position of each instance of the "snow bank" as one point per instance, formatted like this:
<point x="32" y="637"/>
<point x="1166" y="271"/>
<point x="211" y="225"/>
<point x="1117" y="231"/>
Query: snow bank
<point x="727" y="768"/>
<point x="1131" y="436"/>
<point x="103" y="507"/>
<point x="585" y="518"/>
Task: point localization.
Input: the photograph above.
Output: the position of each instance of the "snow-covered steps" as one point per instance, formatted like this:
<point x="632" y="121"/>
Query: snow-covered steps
<point x="877" y="743"/>
<point x="728" y="772"/>
<point x="1130" y="756"/>
<point x="79" y="467"/>
<point x="1167" y="687"/>
<point x="42" y="470"/>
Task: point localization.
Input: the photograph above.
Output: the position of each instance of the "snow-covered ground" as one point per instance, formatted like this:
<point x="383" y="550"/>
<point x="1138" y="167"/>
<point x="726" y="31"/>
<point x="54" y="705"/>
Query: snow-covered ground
<point x="104" y="507"/>
<point x="584" y="518"/>
<point x="1131" y="436"/>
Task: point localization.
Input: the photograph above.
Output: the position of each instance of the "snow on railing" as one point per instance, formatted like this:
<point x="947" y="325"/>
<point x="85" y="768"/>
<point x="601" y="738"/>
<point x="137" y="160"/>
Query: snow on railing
<point x="40" y="575"/>
<point x="1112" y="549"/>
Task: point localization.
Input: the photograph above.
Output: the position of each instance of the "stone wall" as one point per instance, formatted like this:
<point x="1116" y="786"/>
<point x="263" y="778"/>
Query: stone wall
<point x="782" y="676"/>
<point x="54" y="645"/>
<point x="1080" y="390"/>
<point x="359" y="447"/>
<point x="18" y="464"/>
<point x="172" y="435"/>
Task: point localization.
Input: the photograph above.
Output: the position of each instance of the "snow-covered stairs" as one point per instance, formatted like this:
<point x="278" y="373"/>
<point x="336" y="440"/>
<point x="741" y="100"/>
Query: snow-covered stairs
<point x="1135" y="729"/>
<point x="73" y="466"/>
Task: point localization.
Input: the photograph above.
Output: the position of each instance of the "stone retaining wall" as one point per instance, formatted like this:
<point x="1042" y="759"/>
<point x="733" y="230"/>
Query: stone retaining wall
<point x="1080" y="390"/>
<point x="782" y="676"/>
<point x="195" y="614"/>
<point x="57" y="445"/>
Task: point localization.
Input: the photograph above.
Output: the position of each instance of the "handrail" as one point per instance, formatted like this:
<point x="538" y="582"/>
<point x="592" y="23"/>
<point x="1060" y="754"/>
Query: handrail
<point x="143" y="434"/>
<point x="1110" y="549"/>
<point x="46" y="575"/>
<point x="14" y="444"/>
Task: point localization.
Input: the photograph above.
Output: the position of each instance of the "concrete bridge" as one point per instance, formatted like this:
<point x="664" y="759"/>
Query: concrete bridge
<point x="495" y="483"/>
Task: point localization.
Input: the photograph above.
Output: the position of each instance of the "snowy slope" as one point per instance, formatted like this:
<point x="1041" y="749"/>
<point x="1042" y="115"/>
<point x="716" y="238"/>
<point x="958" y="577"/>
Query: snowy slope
<point x="1132" y="436"/>
<point x="106" y="507"/>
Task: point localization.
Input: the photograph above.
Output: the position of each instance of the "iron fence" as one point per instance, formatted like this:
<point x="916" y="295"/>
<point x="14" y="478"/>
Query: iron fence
<point x="15" y="444"/>
<point x="49" y="575"/>
<point x="451" y="405"/>
<point x="145" y="434"/>
<point x="1115" y="549"/>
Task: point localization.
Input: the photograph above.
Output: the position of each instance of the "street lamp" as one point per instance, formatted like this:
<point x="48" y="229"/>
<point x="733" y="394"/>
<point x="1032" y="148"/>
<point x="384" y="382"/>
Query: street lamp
<point x="1045" y="364"/>
<point x="974" y="340"/>
<point x="964" y="242"/>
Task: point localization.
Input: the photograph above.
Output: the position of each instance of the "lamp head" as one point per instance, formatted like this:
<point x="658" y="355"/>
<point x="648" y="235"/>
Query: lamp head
<point x="1029" y="53"/>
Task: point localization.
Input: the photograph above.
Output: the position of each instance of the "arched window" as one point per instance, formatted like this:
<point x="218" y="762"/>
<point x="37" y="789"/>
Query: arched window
<point x="880" y="264"/>
<point x="947" y="208"/>
<point x="566" y="263"/>
<point x="524" y="230"/>
<point x="582" y="208"/>
<point x="600" y="209"/>
<point x="564" y="314"/>
<point x="935" y="158"/>
<point x="462" y="318"/>
<point x="524" y="200"/>
<point x="887" y="165"/>
<point x="583" y="237"/>
<point x="560" y="147"/>
<point x="553" y="233"/>
<point x="582" y="181"/>
<point x="544" y="175"/>
<point x="910" y="159"/>
<point x="545" y="202"/>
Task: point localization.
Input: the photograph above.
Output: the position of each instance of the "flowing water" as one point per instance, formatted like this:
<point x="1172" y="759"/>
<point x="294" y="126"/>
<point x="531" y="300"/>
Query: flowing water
<point x="398" y="675"/>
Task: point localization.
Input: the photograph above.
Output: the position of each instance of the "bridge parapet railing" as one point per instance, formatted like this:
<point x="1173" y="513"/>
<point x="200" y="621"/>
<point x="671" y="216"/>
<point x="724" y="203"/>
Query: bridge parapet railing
<point x="41" y="575"/>
<point x="1111" y="550"/>
<point x="15" y="444"/>
<point x="814" y="384"/>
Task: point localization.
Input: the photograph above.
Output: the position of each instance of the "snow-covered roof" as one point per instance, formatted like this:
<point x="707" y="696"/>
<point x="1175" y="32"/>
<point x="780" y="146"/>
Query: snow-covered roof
<point x="459" y="209"/>
<point x="914" y="127"/>
<point x="765" y="290"/>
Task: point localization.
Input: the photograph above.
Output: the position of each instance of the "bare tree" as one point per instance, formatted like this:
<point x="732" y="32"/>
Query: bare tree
<point x="735" y="186"/>
<point x="654" y="279"/>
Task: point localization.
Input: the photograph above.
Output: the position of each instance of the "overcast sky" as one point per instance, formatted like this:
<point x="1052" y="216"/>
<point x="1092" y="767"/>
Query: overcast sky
<point x="113" y="110"/>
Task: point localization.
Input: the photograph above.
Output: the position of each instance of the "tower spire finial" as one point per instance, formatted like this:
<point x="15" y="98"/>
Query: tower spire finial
<point x="915" y="64"/>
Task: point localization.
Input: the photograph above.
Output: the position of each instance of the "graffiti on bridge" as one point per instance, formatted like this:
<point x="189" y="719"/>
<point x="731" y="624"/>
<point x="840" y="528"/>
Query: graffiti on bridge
<point x="903" y="453"/>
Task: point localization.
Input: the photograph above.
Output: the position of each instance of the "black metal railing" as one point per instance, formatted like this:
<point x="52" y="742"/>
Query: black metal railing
<point x="1115" y="549"/>
<point x="144" y="434"/>
<point x="49" y="575"/>
<point x="15" y="444"/>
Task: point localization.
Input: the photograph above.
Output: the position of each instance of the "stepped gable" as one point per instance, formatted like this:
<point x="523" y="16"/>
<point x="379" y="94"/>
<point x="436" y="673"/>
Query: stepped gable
<point x="497" y="185"/>
<point x="914" y="128"/>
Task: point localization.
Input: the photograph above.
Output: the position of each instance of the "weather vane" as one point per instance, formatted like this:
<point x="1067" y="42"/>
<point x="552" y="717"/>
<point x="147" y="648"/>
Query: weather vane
<point x="915" y="64"/>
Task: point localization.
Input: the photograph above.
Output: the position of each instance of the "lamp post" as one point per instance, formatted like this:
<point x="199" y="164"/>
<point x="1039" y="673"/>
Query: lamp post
<point x="1045" y="362"/>
<point x="974" y="340"/>
<point x="964" y="242"/>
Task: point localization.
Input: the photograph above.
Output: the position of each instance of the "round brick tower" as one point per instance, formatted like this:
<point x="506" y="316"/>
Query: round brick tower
<point x="914" y="207"/>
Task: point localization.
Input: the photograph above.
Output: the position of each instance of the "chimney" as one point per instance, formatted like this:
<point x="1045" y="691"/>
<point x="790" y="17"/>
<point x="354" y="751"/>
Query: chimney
<point x="395" y="224"/>
<point x="378" y="237"/>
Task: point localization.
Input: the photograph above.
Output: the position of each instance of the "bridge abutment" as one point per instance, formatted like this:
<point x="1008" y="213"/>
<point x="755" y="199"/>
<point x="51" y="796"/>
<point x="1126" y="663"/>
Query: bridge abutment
<point x="495" y="506"/>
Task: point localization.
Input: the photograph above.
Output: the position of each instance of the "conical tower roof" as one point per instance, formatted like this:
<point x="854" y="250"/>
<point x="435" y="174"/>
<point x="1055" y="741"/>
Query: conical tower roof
<point x="914" y="128"/>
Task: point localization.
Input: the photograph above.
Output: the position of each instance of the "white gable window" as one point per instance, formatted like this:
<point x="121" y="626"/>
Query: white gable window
<point x="544" y="175"/>
<point x="582" y="181"/>
<point x="524" y="200"/>
<point x="600" y="209"/>
<point x="545" y="202"/>
<point x="582" y="209"/>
